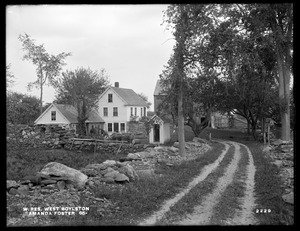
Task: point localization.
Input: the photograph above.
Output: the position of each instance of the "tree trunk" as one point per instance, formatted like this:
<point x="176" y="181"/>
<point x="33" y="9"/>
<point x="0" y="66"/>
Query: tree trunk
<point x="283" y="66"/>
<point x="263" y="128"/>
<point x="212" y="120"/>
<point x="181" y="138"/>
<point x="284" y="98"/>
<point x="253" y="128"/>
<point x="41" y="99"/>
<point x="180" y="39"/>
<point x="81" y="118"/>
<point x="248" y="127"/>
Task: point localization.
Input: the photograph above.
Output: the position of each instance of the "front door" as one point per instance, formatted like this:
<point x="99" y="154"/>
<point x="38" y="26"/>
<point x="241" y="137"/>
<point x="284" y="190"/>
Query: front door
<point x="156" y="132"/>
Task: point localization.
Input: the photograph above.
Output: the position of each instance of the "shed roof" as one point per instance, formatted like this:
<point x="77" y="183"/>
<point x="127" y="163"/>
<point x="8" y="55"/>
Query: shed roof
<point x="71" y="114"/>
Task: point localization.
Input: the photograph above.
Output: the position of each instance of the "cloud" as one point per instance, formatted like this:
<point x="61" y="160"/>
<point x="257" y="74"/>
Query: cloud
<point x="127" y="40"/>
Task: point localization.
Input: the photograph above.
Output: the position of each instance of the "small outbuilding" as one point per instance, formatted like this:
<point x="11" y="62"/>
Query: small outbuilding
<point x="160" y="131"/>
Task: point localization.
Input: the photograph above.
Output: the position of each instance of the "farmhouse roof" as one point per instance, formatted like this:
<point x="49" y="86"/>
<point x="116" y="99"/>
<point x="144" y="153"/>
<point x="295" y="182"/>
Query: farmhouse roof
<point x="130" y="97"/>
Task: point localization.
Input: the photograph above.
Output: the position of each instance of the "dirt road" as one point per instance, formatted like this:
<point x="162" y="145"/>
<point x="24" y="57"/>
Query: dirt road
<point x="204" y="211"/>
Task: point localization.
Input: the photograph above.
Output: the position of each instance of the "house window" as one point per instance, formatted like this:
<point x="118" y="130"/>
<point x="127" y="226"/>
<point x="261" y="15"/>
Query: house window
<point x="53" y="115"/>
<point x="105" y="111"/>
<point x="109" y="127"/>
<point x="115" y="111"/>
<point x="141" y="112"/>
<point x="122" y="127"/>
<point x="135" y="111"/>
<point x="145" y="111"/>
<point x="131" y="111"/>
<point x="110" y="98"/>
<point x="116" y="127"/>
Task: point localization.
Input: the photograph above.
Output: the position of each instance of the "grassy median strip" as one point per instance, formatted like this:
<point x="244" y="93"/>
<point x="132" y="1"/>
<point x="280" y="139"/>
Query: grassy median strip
<point x="229" y="201"/>
<point x="195" y="196"/>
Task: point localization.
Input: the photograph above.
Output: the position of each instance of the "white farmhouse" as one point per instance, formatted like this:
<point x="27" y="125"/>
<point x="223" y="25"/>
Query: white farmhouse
<point x="117" y="106"/>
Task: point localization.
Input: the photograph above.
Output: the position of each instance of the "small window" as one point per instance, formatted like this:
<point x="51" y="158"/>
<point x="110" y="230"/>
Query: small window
<point x="122" y="127"/>
<point x="53" y="115"/>
<point x="145" y="111"/>
<point x="131" y="111"/>
<point x="110" y="98"/>
<point x="109" y="127"/>
<point x="115" y="111"/>
<point x="116" y="127"/>
<point x="135" y="111"/>
<point x="105" y="111"/>
<point x="141" y="112"/>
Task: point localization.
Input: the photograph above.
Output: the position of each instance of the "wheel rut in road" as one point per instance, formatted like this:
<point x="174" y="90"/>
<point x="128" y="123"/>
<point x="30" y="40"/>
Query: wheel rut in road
<point x="204" y="210"/>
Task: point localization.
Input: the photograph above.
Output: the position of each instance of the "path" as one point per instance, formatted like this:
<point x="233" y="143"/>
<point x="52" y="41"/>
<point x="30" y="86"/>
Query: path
<point x="204" y="210"/>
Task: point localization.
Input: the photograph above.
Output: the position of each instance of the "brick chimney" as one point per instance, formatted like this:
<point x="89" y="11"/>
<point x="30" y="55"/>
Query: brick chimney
<point x="116" y="84"/>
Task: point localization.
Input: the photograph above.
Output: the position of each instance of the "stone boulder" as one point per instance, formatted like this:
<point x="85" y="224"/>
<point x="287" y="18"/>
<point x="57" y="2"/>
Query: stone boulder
<point x="76" y="177"/>
<point x="133" y="156"/>
<point x="89" y="172"/>
<point x="289" y="198"/>
<point x="97" y="167"/>
<point x="173" y="149"/>
<point x="11" y="184"/>
<point x="107" y="170"/>
<point x="120" y="178"/>
<point x="111" y="174"/>
<point x="129" y="172"/>
<point x="36" y="180"/>
<point x="110" y="163"/>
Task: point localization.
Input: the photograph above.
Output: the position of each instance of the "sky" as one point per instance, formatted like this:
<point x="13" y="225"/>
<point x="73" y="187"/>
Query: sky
<point x="128" y="41"/>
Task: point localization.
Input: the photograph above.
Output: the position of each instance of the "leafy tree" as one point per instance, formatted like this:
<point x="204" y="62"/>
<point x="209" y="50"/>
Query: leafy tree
<point x="21" y="108"/>
<point x="276" y="20"/>
<point x="179" y="17"/>
<point x="48" y="66"/>
<point x="81" y="88"/>
<point x="227" y="67"/>
<point x="9" y="77"/>
<point x="191" y="25"/>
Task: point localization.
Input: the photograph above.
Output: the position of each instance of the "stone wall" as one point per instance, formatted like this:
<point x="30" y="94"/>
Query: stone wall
<point x="51" y="136"/>
<point x="54" y="136"/>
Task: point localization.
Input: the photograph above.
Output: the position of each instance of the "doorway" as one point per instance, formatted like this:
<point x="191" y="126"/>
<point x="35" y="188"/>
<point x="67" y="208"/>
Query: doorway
<point x="156" y="132"/>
